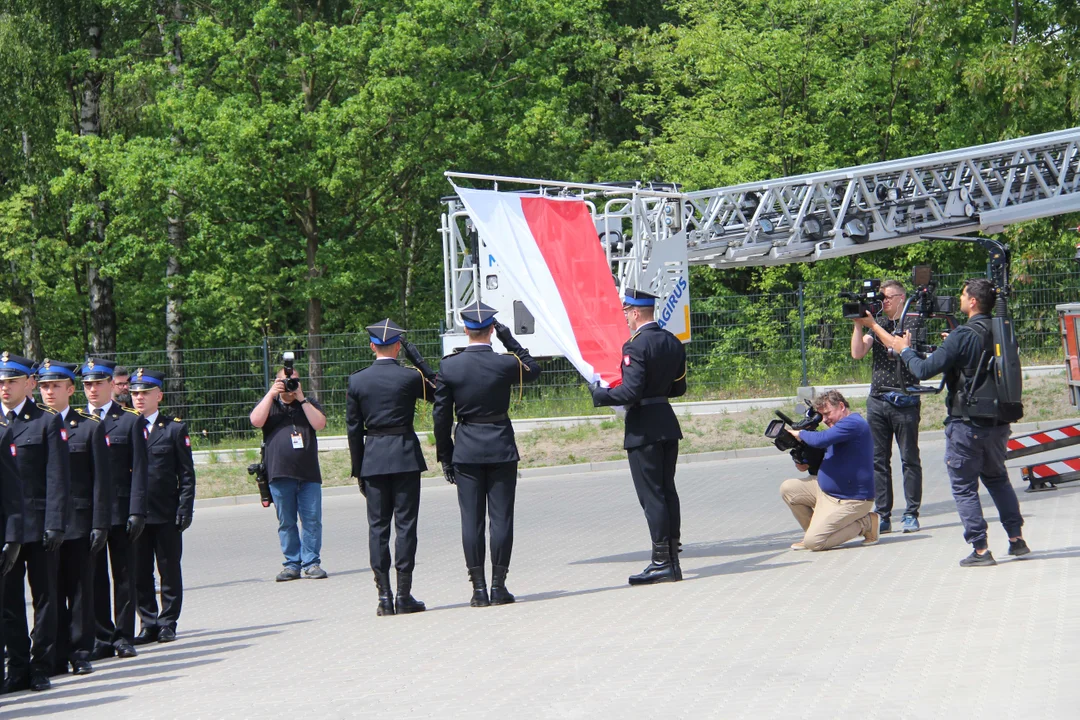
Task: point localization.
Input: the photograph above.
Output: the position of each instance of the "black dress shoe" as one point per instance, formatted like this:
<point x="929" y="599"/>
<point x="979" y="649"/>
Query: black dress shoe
<point x="167" y="634"/>
<point x="81" y="667"/>
<point x="147" y="635"/>
<point x="103" y="652"/>
<point x="661" y="569"/>
<point x="15" y="683"/>
<point x="124" y="650"/>
<point x="39" y="680"/>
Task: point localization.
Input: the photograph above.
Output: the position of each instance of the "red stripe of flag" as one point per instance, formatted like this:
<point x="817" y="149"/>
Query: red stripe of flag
<point x="565" y="233"/>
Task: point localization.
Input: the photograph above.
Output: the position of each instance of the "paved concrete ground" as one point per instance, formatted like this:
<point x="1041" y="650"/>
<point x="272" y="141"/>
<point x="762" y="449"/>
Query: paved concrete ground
<point x="893" y="631"/>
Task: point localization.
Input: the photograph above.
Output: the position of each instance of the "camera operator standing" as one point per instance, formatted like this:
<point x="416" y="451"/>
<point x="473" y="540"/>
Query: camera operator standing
<point x="891" y="414"/>
<point x="974" y="446"/>
<point x="289" y="422"/>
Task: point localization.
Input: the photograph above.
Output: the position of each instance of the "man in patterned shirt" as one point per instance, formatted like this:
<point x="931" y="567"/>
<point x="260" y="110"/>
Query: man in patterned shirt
<point x="892" y="414"/>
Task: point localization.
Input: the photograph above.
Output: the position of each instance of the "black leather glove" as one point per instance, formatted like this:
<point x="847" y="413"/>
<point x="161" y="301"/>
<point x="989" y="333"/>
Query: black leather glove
<point x="360" y="484"/>
<point x="52" y="539"/>
<point x="9" y="554"/>
<point x="135" y="525"/>
<point x="506" y="337"/>
<point x="412" y="353"/>
<point x="448" y="473"/>
<point x="183" y="521"/>
<point x="98" y="538"/>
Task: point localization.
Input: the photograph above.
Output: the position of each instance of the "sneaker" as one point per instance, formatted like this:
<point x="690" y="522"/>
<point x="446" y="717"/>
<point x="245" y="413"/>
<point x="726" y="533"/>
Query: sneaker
<point x="911" y="523"/>
<point x="885" y="526"/>
<point x="870" y="536"/>
<point x="976" y="560"/>
<point x="314" y="572"/>
<point x="1018" y="547"/>
<point x="289" y="573"/>
<point x="798" y="546"/>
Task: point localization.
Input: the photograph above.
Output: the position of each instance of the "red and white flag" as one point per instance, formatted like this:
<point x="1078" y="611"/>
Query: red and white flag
<point x="550" y="253"/>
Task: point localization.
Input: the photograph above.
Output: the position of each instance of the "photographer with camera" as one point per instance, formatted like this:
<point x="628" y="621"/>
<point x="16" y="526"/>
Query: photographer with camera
<point x="289" y="422"/>
<point x="835" y="505"/>
<point x="891" y="414"/>
<point x="975" y="438"/>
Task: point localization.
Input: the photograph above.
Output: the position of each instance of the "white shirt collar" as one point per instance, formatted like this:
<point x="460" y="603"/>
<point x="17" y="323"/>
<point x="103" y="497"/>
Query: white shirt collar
<point x="642" y="326"/>
<point x="18" y="408"/>
<point x="385" y="358"/>
<point x="151" y="418"/>
<point x="64" y="413"/>
<point x="104" y="407"/>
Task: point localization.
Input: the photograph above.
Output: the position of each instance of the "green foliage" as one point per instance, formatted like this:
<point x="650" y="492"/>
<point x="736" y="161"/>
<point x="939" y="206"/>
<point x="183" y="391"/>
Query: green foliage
<point x="302" y="145"/>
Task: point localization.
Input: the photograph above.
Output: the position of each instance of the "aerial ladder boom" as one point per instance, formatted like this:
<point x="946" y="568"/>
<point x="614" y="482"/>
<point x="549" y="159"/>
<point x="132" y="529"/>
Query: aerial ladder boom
<point x="652" y="232"/>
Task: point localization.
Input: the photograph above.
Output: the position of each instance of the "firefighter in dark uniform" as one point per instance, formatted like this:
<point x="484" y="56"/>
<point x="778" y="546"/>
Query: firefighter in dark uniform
<point x="44" y="467"/>
<point x="653" y="370"/>
<point x="115" y="611"/>
<point x="89" y="517"/>
<point x="386" y="457"/>
<point x="11" y="512"/>
<point x="170" y="502"/>
<point x="482" y="456"/>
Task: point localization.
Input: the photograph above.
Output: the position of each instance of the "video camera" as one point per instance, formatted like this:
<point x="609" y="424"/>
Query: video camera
<point x="291" y="383"/>
<point x="868" y="300"/>
<point x="784" y="441"/>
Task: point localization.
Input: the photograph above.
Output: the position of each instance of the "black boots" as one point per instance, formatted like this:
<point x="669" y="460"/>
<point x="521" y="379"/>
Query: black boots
<point x="499" y="594"/>
<point x="386" y="595"/>
<point x="479" y="587"/>
<point x="662" y="568"/>
<point x="406" y="603"/>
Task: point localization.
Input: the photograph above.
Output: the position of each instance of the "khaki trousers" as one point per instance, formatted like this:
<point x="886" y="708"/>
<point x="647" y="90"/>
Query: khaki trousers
<point x="828" y="521"/>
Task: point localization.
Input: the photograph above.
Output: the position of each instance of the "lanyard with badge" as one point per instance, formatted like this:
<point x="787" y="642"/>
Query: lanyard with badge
<point x="297" y="438"/>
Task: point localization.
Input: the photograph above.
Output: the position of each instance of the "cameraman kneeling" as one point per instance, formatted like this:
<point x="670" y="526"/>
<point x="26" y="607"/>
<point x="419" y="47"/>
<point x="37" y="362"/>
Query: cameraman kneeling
<point x="837" y="504"/>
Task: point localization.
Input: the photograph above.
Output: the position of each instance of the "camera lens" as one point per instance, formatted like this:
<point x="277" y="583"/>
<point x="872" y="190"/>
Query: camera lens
<point x="291" y="384"/>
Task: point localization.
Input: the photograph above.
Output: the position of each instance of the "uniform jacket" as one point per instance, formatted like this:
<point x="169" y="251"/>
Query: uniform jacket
<point x="91" y="476"/>
<point x="475" y="382"/>
<point x="44" y="467"/>
<point x="382" y="396"/>
<point x="11" y="497"/>
<point x="653" y="366"/>
<point x="127" y="461"/>
<point x="170" y="471"/>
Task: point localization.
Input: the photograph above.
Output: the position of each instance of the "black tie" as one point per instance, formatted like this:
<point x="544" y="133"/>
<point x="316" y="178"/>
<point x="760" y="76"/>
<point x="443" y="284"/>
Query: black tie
<point x="100" y="413"/>
<point x="11" y="416"/>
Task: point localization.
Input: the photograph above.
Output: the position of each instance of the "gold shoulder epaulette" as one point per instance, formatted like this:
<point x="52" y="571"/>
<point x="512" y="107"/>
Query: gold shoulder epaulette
<point x="133" y="411"/>
<point x="46" y="408"/>
<point x="3" y="422"/>
<point x="176" y="419"/>
<point x="634" y="336"/>
<point x="452" y="353"/>
<point x="83" y="414"/>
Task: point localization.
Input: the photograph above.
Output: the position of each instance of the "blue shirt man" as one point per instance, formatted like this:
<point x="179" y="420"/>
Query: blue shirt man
<point x="837" y="504"/>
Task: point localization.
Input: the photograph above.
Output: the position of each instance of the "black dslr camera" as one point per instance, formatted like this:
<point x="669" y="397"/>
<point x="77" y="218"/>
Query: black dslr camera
<point x="258" y="470"/>
<point x="927" y="304"/>
<point x="868" y="300"/>
<point x="784" y="441"/>
<point x="291" y="383"/>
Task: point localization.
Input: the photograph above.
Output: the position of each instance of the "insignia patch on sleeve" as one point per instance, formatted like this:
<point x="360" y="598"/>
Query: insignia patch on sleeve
<point x="63" y="434"/>
<point x="145" y="435"/>
<point x="108" y="442"/>
<point x="626" y="360"/>
<point x="187" y="440"/>
<point x="12" y="449"/>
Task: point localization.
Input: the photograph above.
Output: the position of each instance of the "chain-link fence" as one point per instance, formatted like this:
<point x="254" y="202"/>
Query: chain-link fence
<point x="743" y="346"/>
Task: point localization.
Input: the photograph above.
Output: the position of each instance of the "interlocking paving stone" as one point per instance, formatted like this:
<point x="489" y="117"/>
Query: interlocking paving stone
<point x="755" y="631"/>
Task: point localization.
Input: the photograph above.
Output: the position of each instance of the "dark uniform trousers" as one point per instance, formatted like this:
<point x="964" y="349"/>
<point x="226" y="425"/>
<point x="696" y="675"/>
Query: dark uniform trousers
<point x="120" y="558"/>
<point x="75" y="582"/>
<point x="40" y="568"/>
<point x="164" y="543"/>
<point x="396" y="496"/>
<point x="487" y="488"/>
<point x="652" y="468"/>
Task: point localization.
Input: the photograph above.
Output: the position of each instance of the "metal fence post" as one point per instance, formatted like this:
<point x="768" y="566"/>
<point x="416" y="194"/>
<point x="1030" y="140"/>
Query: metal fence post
<point x="802" y="335"/>
<point x="266" y="362"/>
